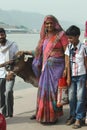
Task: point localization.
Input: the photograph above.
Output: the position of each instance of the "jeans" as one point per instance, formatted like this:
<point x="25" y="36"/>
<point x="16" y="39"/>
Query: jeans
<point x="77" y="93"/>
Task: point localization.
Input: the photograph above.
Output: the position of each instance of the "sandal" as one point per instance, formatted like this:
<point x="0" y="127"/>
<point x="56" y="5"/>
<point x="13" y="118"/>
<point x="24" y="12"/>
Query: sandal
<point x="70" y="120"/>
<point x="77" y="124"/>
<point x="33" y="117"/>
<point x="49" y="123"/>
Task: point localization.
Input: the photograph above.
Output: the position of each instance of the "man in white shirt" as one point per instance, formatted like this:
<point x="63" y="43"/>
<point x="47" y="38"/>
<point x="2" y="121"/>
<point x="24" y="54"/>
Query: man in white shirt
<point x="8" y="49"/>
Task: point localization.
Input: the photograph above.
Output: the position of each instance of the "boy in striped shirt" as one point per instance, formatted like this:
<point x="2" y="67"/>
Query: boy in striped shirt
<point x="76" y="66"/>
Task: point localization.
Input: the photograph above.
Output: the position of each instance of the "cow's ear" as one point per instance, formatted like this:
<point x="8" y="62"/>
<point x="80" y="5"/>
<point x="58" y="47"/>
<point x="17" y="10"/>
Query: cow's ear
<point x="26" y="58"/>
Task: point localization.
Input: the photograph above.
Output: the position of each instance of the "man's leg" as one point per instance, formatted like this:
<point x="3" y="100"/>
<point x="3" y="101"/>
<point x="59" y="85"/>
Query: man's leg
<point x="9" y="99"/>
<point x="2" y="95"/>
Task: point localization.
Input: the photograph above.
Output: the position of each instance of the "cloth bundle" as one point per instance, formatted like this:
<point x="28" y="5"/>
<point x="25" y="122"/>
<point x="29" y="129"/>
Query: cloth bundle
<point x="62" y="97"/>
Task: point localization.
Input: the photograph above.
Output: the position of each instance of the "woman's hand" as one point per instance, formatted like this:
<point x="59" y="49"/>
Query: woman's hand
<point x="25" y="52"/>
<point x="28" y="52"/>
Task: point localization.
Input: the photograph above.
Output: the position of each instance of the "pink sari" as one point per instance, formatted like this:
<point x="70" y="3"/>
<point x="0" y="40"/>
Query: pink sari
<point x="50" y="45"/>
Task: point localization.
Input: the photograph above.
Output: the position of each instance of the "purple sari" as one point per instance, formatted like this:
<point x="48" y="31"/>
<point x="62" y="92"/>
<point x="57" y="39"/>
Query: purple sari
<point x="47" y="109"/>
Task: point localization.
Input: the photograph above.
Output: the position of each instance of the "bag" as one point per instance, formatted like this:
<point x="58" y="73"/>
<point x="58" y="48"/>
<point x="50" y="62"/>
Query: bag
<point x="37" y="66"/>
<point x="2" y="122"/>
<point x="62" y="96"/>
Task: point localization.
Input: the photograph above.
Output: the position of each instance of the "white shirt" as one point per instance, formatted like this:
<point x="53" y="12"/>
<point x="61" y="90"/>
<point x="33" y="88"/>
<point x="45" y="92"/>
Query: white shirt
<point x="77" y="58"/>
<point x="6" y="53"/>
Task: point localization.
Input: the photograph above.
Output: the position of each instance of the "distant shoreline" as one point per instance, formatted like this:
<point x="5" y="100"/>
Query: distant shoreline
<point x="20" y="33"/>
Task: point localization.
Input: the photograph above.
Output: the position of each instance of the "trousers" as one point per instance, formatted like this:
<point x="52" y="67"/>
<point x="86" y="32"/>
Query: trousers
<point x="2" y="95"/>
<point x="9" y="98"/>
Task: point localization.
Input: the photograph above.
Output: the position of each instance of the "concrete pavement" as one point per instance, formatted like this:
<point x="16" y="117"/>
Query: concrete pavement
<point x="24" y="107"/>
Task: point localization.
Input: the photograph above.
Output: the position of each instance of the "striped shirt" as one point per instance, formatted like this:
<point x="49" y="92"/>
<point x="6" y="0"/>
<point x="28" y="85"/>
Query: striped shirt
<point x="77" y="58"/>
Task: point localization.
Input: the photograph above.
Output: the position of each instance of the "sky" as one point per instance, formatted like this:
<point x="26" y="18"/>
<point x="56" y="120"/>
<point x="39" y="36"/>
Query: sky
<point x="68" y="10"/>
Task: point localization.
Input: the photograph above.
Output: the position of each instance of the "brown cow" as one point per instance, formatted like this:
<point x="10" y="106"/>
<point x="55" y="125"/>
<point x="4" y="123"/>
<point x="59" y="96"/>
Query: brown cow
<point x="22" y="68"/>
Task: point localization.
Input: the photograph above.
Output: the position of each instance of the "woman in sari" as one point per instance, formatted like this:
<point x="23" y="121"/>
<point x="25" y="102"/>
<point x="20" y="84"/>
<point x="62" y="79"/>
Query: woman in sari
<point x="51" y="47"/>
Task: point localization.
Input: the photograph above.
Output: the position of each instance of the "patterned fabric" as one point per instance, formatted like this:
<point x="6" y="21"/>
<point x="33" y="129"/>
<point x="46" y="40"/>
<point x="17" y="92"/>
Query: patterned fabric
<point x="37" y="66"/>
<point x="62" y="97"/>
<point x="47" y="109"/>
<point x="54" y="46"/>
<point x="51" y="49"/>
<point x="77" y="58"/>
<point x="50" y="45"/>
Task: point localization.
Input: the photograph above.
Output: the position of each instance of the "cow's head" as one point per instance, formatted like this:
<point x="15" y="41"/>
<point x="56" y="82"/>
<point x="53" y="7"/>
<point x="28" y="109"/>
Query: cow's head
<point x="22" y="67"/>
<point x="19" y="62"/>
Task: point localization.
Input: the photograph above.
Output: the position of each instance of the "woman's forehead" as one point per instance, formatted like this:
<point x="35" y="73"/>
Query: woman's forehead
<point x="48" y="20"/>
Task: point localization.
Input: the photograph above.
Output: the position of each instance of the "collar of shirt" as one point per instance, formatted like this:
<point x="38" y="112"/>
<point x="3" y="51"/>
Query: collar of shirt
<point x="78" y="46"/>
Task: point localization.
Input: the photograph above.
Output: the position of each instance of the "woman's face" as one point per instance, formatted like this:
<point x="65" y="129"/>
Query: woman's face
<point x="49" y="26"/>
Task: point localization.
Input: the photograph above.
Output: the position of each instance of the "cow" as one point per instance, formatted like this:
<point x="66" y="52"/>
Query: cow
<point x="21" y="65"/>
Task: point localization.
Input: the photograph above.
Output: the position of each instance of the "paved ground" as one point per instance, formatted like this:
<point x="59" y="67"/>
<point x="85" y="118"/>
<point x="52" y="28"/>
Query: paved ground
<point x="24" y="107"/>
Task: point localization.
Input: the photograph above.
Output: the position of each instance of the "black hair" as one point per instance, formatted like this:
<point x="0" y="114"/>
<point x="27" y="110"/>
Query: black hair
<point x="2" y="30"/>
<point x="73" y="31"/>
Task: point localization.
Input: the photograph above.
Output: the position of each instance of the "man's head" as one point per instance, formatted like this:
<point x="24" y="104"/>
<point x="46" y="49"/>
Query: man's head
<point x="2" y="36"/>
<point x="73" y="33"/>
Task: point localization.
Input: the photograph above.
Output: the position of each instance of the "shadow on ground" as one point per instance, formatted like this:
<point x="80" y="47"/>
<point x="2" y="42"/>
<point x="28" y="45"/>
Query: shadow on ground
<point x="25" y="118"/>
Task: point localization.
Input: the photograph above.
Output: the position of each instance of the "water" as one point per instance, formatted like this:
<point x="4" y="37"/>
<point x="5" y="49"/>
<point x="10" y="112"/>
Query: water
<point x="29" y="41"/>
<point x="82" y="36"/>
<point x="26" y="42"/>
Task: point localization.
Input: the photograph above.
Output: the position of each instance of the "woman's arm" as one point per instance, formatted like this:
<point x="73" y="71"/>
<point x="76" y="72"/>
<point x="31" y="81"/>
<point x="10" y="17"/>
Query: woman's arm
<point x="32" y="52"/>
